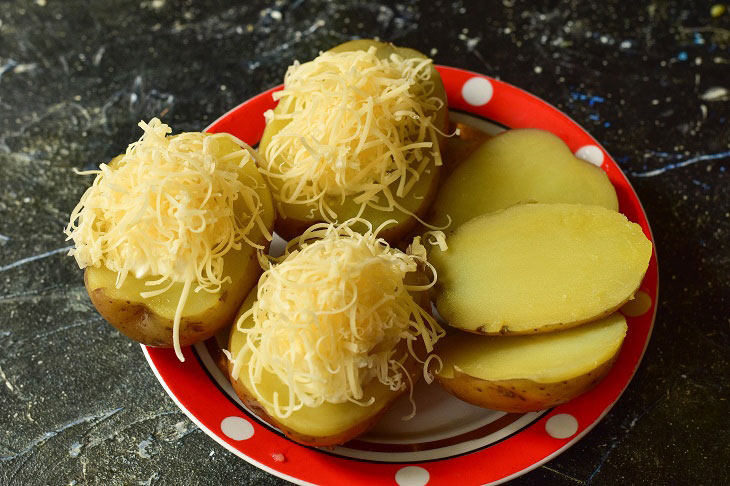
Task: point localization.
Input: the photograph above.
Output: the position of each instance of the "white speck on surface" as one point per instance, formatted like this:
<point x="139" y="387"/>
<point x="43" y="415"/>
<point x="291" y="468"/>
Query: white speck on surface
<point x="412" y="476"/>
<point x="561" y="426"/>
<point x="434" y="51"/>
<point x="75" y="449"/>
<point x="625" y="44"/>
<point x="472" y="43"/>
<point x="157" y="4"/>
<point x="275" y="14"/>
<point x="538" y="69"/>
<point x="716" y="93"/>
<point x="41" y="3"/>
<point x="142" y="448"/>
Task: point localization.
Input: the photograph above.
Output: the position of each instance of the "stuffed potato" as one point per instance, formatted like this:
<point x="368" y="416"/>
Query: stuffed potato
<point x="375" y="167"/>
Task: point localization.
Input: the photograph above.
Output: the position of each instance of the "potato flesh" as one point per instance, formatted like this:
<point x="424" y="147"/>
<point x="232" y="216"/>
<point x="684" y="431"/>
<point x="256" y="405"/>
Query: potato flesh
<point x="539" y="267"/>
<point x="297" y="217"/>
<point x="204" y="311"/>
<point x="309" y="424"/>
<point x="520" y="166"/>
<point x="542" y="358"/>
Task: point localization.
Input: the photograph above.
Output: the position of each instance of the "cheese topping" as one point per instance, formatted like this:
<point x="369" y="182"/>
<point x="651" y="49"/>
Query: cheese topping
<point x="333" y="315"/>
<point x="355" y="125"/>
<point x="170" y="207"/>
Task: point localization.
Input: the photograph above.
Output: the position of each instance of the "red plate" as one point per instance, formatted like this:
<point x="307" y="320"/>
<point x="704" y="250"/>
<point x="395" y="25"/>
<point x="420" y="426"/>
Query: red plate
<point x="449" y="442"/>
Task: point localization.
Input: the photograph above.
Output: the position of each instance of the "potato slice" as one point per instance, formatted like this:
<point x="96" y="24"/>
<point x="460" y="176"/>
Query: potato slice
<point x="520" y="166"/>
<point x="150" y="320"/>
<point x="418" y="201"/>
<point x="539" y="267"/>
<point x="326" y="425"/>
<point x="530" y="373"/>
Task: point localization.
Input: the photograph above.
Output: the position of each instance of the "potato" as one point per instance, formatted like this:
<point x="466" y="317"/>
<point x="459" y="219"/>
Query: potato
<point x="295" y="218"/>
<point x="326" y="425"/>
<point x="458" y="148"/>
<point x="150" y="320"/>
<point x="519" y="166"/>
<point x="538" y="267"/>
<point x="529" y="373"/>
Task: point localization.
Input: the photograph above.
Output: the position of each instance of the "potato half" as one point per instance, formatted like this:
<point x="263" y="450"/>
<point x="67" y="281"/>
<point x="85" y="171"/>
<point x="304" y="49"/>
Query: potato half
<point x="417" y="201"/>
<point x="326" y="425"/>
<point x="529" y="373"/>
<point x="519" y="166"/>
<point x="539" y="267"/>
<point x="150" y="320"/>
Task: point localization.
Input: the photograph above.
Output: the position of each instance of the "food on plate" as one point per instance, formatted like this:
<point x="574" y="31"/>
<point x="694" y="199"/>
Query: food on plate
<point x="168" y="235"/>
<point x="356" y="133"/>
<point x="538" y="267"/>
<point x="529" y="373"/>
<point x="334" y="333"/>
<point x="519" y="166"/>
<point x="461" y="145"/>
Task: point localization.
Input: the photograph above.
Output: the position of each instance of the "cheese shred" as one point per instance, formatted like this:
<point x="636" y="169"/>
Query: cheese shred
<point x="170" y="207"/>
<point x="353" y="125"/>
<point x="334" y="313"/>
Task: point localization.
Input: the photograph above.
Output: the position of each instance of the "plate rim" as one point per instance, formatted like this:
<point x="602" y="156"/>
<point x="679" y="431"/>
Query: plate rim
<point x="459" y="104"/>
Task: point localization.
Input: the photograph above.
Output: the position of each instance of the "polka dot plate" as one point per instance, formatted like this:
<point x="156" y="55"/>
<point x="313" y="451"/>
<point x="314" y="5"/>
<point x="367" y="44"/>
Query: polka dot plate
<point x="449" y="441"/>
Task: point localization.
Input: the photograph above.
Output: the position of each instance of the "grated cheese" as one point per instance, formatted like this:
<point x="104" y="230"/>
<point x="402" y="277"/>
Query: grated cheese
<point x="356" y="126"/>
<point x="331" y="315"/>
<point x="166" y="208"/>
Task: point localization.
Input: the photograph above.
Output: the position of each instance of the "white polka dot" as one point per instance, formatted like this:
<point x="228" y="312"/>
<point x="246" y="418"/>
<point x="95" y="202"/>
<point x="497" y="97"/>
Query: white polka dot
<point x="561" y="426"/>
<point x="477" y="91"/>
<point x="590" y="153"/>
<point x="237" y="428"/>
<point x="412" y="476"/>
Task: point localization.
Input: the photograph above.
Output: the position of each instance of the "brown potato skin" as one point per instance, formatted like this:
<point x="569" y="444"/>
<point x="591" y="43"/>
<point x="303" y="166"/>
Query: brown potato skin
<point x="520" y="395"/>
<point x="137" y="321"/>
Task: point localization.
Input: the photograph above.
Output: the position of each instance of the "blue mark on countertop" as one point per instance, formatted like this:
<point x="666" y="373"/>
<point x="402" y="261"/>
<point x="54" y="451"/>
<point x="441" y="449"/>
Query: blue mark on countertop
<point x="592" y="99"/>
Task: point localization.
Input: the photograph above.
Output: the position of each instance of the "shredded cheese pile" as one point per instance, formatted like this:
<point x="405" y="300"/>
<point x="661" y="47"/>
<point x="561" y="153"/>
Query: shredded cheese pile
<point x="356" y="125"/>
<point x="166" y="209"/>
<point x="330" y="316"/>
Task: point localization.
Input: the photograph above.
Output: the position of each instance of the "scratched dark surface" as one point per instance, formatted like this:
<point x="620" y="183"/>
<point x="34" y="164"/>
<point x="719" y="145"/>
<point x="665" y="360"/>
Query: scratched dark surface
<point x="79" y="405"/>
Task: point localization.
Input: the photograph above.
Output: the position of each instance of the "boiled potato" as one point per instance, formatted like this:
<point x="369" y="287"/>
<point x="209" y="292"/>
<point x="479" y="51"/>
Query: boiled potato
<point x="298" y="217"/>
<point x="538" y="267"/>
<point x="530" y="373"/>
<point x="519" y="166"/>
<point x="150" y="320"/>
<point x="458" y="148"/>
<point x="329" y="423"/>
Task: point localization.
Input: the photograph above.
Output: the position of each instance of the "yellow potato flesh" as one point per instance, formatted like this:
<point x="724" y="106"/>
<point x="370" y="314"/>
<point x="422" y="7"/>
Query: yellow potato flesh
<point x="297" y="217"/>
<point x="150" y="320"/>
<point x="530" y="373"/>
<point x="539" y="267"/>
<point x="327" y="424"/>
<point x="542" y="358"/>
<point x="520" y="166"/>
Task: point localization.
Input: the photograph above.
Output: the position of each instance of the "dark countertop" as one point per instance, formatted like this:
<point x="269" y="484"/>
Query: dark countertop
<point x="79" y="403"/>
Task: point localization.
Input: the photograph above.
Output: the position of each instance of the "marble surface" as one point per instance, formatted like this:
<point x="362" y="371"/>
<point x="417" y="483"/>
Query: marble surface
<point x="78" y="403"/>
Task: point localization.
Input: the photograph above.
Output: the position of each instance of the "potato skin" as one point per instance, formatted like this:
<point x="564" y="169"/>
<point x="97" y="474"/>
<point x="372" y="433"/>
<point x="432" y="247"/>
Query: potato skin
<point x="137" y="321"/>
<point x="294" y="225"/>
<point x="520" y="395"/>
